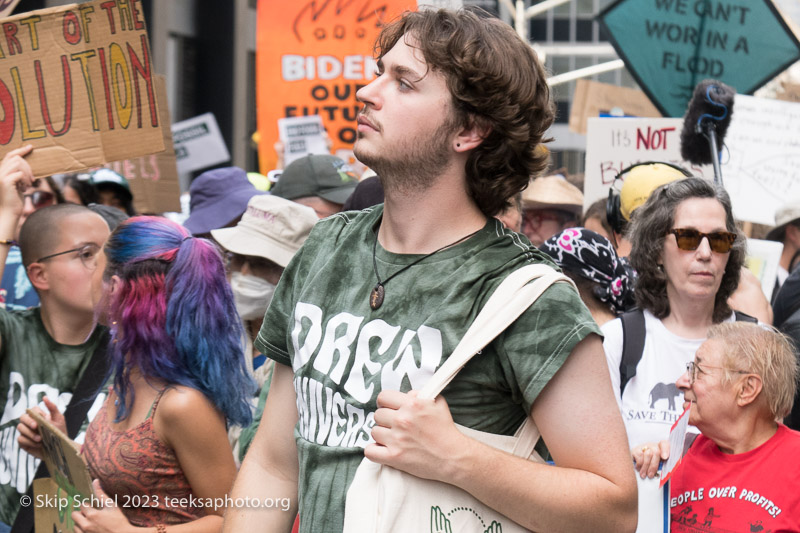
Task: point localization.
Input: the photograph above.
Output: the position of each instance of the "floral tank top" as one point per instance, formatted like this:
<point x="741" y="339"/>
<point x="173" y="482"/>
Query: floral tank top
<point x="139" y="471"/>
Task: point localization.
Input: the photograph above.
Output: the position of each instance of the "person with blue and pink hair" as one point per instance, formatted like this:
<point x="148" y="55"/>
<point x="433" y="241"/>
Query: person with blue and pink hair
<point x="178" y="377"/>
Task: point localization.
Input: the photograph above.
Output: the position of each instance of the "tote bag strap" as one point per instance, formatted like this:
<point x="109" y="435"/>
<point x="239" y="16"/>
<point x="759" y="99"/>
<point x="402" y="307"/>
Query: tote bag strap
<point x="511" y="298"/>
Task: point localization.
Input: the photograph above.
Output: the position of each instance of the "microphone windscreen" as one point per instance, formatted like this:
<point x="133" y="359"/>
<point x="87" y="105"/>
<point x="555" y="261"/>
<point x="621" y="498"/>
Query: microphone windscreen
<point x="712" y="102"/>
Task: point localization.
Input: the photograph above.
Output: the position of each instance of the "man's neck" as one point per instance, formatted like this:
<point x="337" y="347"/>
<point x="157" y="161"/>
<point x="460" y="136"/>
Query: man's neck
<point x="420" y="222"/>
<point x="66" y="326"/>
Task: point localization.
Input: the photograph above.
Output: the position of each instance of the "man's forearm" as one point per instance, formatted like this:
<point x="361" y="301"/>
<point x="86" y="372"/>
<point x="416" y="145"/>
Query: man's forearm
<point x="543" y="497"/>
<point x="255" y="485"/>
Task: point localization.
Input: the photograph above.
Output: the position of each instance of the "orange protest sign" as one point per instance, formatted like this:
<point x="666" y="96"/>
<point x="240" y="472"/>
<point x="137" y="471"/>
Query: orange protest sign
<point x="77" y="83"/>
<point x="311" y="58"/>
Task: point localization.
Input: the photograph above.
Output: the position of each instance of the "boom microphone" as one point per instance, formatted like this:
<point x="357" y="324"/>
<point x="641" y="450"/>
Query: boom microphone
<point x="705" y="124"/>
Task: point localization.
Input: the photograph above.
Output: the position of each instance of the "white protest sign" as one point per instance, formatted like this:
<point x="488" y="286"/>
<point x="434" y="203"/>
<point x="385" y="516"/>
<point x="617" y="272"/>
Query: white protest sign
<point x="301" y="136"/>
<point x="761" y="165"/>
<point x="613" y="144"/>
<point x="763" y="258"/>
<point x="198" y="143"/>
<point x="677" y="438"/>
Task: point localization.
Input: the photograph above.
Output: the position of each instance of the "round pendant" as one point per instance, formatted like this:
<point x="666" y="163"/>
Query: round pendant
<point x="376" y="297"/>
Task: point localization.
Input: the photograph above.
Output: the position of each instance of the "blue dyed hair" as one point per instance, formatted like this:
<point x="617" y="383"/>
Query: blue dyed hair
<point x="173" y="316"/>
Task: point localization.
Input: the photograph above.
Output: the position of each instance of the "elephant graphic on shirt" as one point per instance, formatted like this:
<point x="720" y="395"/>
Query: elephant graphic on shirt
<point x="664" y="391"/>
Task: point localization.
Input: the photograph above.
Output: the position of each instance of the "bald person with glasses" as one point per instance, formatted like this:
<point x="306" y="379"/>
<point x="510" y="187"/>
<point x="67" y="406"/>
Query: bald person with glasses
<point x="44" y="350"/>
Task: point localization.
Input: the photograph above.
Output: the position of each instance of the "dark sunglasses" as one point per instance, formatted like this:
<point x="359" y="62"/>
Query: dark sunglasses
<point x="40" y="199"/>
<point x="689" y="239"/>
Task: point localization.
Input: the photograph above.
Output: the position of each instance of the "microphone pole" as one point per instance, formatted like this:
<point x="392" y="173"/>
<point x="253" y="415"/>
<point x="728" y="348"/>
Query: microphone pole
<point x="709" y="131"/>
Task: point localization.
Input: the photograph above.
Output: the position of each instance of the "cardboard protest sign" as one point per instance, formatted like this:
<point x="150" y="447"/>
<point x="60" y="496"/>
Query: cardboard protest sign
<point x="154" y="178"/>
<point x="311" y="59"/>
<point x="7" y="7"/>
<point x="790" y="92"/>
<point x="70" y="484"/>
<point x="593" y="99"/>
<point x="199" y="143"/>
<point x="671" y="45"/>
<point x="761" y="164"/>
<point x="76" y="82"/>
<point x="613" y="144"/>
<point x="301" y="136"/>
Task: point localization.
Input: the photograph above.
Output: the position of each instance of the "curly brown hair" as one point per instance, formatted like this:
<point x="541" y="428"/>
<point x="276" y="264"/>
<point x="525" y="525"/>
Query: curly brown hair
<point x="497" y="83"/>
<point x="648" y="231"/>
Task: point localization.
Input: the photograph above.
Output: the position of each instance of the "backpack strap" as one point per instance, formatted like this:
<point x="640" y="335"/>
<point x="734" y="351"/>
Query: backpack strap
<point x="633" y="333"/>
<point x="744" y="317"/>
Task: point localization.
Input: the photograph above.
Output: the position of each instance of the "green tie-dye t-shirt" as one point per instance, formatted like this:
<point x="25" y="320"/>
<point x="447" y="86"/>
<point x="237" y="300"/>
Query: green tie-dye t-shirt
<point x="344" y="353"/>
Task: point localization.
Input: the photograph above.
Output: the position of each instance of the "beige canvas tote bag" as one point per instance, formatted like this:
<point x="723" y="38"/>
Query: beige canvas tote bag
<point x="382" y="499"/>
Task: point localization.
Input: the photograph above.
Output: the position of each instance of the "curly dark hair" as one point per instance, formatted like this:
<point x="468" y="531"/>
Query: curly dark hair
<point x="497" y="83"/>
<point x="648" y="231"/>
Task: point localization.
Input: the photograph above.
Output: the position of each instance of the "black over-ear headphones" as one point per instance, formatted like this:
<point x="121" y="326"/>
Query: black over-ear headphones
<point x="613" y="211"/>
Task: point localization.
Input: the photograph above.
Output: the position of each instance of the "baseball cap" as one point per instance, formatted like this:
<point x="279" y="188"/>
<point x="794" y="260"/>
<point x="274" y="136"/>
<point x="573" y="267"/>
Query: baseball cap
<point x="217" y="197"/>
<point x="103" y="176"/>
<point x="271" y="227"/>
<point x="321" y="175"/>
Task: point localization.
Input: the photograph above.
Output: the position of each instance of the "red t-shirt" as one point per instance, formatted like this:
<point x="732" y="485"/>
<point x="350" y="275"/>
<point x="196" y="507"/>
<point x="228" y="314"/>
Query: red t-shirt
<point x="756" y="491"/>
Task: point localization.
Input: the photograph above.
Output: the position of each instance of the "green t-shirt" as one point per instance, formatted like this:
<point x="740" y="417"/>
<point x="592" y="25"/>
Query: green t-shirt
<point x="343" y="353"/>
<point x="32" y="365"/>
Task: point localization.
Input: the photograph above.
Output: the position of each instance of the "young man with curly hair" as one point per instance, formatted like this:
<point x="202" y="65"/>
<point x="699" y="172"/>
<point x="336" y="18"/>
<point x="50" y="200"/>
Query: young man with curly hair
<point x="375" y="301"/>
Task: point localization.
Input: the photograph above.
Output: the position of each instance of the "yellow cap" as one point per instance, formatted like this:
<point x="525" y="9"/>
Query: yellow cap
<point x="641" y="181"/>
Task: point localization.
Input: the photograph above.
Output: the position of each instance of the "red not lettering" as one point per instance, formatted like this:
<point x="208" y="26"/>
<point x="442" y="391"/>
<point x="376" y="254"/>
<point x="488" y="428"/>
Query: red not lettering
<point x="653" y="139"/>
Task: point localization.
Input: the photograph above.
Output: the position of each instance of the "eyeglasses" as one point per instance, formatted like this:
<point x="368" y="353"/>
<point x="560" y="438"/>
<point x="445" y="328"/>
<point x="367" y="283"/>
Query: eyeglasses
<point x="693" y="368"/>
<point x="40" y="199"/>
<point x="86" y="253"/>
<point x="690" y="239"/>
<point x="535" y="218"/>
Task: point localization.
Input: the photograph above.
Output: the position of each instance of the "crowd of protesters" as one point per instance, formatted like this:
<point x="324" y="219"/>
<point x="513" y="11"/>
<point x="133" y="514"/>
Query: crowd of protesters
<point x="268" y="344"/>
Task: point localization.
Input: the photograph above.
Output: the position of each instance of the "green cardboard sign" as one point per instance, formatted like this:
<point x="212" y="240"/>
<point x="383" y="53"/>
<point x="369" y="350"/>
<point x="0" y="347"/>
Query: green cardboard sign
<point x="669" y="46"/>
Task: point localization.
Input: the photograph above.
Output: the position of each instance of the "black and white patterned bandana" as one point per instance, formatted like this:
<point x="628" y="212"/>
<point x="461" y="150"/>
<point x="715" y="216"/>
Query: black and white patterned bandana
<point x="592" y="256"/>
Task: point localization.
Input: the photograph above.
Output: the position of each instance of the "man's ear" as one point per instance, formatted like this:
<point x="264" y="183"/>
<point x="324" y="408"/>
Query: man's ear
<point x="472" y="135"/>
<point x="749" y="389"/>
<point x="37" y="273"/>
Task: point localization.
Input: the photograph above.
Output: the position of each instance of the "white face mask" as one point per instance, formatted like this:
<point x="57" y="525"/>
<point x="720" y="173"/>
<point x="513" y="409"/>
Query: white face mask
<point x="251" y="295"/>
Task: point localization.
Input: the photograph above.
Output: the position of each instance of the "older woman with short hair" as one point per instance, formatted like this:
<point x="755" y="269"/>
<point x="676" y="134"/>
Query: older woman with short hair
<point x="741" y="472"/>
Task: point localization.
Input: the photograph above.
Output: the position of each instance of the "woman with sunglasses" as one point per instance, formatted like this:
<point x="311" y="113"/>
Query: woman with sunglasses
<point x="160" y="440"/>
<point x="688" y="254"/>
